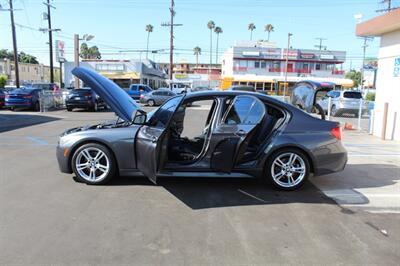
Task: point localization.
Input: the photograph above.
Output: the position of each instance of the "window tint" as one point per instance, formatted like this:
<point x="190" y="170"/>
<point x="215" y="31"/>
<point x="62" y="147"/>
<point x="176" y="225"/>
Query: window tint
<point x="164" y="113"/>
<point x="352" y="94"/>
<point x="245" y="110"/>
<point x="157" y="93"/>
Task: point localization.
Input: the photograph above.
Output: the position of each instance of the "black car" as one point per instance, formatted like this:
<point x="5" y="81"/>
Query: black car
<point x="84" y="98"/>
<point x="23" y="98"/>
<point x="242" y="134"/>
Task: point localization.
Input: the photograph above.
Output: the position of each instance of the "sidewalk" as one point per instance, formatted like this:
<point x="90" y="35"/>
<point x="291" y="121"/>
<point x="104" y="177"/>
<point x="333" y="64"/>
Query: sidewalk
<point x="371" y="179"/>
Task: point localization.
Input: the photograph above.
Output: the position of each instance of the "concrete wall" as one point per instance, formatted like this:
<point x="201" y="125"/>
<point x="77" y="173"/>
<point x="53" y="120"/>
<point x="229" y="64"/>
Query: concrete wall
<point x="388" y="86"/>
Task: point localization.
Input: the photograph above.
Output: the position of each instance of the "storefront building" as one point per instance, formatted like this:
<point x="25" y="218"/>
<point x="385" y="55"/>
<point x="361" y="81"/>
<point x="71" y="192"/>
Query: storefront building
<point x="123" y="72"/>
<point x="387" y="100"/>
<point x="262" y="65"/>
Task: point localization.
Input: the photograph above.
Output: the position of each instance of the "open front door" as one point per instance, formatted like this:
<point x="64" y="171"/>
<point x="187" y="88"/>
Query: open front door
<point x="151" y="138"/>
<point x="233" y="134"/>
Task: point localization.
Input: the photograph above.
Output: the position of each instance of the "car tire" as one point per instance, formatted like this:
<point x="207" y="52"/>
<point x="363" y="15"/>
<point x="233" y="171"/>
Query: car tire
<point x="285" y="175"/>
<point x="151" y="102"/>
<point x="90" y="170"/>
<point x="95" y="107"/>
<point x="36" y="107"/>
<point x="334" y="111"/>
<point x="69" y="109"/>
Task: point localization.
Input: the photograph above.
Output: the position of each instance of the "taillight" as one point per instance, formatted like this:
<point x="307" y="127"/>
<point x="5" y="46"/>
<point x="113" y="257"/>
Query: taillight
<point x="337" y="133"/>
<point x="27" y="96"/>
<point x="88" y="96"/>
<point x="141" y="96"/>
<point x="7" y="97"/>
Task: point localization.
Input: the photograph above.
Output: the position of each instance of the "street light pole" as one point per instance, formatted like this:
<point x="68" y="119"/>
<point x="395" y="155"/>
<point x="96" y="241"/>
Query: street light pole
<point x="50" y="40"/>
<point x="76" y="58"/>
<point x="286" y="63"/>
<point x="14" y="37"/>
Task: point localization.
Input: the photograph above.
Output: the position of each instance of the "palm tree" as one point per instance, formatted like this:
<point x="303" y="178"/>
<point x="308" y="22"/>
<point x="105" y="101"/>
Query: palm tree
<point x="251" y="27"/>
<point x="218" y="31"/>
<point x="149" y="29"/>
<point x="211" y="26"/>
<point x="269" y="28"/>
<point x="197" y="52"/>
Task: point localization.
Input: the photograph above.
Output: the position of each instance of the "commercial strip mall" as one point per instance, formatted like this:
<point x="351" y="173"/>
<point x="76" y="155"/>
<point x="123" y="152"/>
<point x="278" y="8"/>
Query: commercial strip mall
<point x="263" y="65"/>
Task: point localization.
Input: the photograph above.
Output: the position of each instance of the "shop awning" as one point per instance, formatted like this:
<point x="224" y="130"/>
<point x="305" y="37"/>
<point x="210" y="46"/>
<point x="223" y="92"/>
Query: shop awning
<point x="122" y="75"/>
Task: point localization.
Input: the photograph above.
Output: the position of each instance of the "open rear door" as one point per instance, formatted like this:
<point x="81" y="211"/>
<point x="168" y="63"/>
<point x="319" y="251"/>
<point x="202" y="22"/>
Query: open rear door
<point x="235" y="131"/>
<point x="151" y="138"/>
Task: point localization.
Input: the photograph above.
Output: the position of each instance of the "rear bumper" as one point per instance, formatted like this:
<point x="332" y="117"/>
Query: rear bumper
<point x="79" y="104"/>
<point x="18" y="104"/>
<point x="332" y="162"/>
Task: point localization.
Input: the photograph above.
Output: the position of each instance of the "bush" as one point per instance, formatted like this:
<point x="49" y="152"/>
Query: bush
<point x="370" y="96"/>
<point x="3" y="81"/>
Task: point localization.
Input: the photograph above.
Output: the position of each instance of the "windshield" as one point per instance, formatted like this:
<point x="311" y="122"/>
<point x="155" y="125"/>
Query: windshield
<point x="161" y="116"/>
<point x="352" y="94"/>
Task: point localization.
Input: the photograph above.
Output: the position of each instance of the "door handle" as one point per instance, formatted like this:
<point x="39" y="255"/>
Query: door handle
<point x="240" y="133"/>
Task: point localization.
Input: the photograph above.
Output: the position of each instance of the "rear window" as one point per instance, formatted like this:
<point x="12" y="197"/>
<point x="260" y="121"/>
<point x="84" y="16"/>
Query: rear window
<point x="352" y="95"/>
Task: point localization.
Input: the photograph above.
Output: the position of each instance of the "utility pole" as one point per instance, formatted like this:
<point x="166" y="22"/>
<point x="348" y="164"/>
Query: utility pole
<point x="14" y="37"/>
<point x="76" y="58"/>
<point x="171" y="38"/>
<point x="320" y="46"/>
<point x="365" y="45"/>
<point x="286" y="63"/>
<point x="49" y="6"/>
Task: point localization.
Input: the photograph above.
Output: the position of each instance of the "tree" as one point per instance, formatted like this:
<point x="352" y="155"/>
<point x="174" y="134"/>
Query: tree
<point x="3" y="81"/>
<point x="218" y="31"/>
<point x="89" y="52"/>
<point x="355" y="76"/>
<point x="197" y="52"/>
<point x="269" y="28"/>
<point x="27" y="58"/>
<point x="251" y="27"/>
<point x="211" y="26"/>
<point x="22" y="57"/>
<point x="149" y="29"/>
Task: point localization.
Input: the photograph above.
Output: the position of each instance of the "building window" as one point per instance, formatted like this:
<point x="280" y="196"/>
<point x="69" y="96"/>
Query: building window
<point x="257" y="64"/>
<point x="264" y="64"/>
<point x="317" y="66"/>
<point x="242" y="63"/>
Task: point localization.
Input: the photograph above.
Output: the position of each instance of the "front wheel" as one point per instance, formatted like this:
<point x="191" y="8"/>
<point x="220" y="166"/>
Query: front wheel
<point x="151" y="103"/>
<point x="288" y="169"/>
<point x="93" y="164"/>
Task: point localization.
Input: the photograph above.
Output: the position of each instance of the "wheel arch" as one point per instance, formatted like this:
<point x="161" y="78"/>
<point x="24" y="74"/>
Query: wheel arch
<point x="310" y="158"/>
<point x="87" y="141"/>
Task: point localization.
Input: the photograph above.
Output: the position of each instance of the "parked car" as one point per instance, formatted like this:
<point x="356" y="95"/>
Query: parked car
<point x="242" y="88"/>
<point x="43" y="86"/>
<point x="156" y="97"/>
<point x="245" y="135"/>
<point x="200" y="88"/>
<point x="84" y="98"/>
<point x="2" y="96"/>
<point x="23" y="98"/>
<point x="305" y="95"/>
<point x="343" y="102"/>
<point x="135" y="90"/>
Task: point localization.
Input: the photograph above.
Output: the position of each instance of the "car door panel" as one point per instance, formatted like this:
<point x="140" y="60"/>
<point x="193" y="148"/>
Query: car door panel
<point x="233" y="134"/>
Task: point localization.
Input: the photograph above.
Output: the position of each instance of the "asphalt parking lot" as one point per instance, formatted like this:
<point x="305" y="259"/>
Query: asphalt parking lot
<point x="352" y="217"/>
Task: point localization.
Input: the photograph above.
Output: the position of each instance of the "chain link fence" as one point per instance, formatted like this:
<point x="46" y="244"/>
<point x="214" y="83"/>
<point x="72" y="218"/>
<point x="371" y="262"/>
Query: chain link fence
<point x="51" y="100"/>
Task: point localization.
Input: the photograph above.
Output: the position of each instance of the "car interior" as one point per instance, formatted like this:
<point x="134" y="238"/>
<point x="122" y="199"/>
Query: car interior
<point x="187" y="144"/>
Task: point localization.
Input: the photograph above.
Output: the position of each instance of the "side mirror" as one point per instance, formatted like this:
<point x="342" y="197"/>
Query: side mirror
<point x="140" y="118"/>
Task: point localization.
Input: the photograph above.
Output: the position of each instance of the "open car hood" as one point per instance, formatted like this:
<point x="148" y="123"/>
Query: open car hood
<point x="118" y="100"/>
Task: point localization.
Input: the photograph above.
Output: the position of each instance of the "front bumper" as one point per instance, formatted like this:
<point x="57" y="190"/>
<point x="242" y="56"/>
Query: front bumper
<point x="63" y="161"/>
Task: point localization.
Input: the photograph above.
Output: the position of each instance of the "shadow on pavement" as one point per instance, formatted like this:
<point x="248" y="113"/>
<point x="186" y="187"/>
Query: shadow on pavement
<point x="10" y="122"/>
<point x="203" y="193"/>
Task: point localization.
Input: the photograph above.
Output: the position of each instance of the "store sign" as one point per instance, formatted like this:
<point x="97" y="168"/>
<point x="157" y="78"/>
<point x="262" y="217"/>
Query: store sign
<point x="271" y="53"/>
<point x="327" y="57"/>
<point x="251" y="53"/>
<point x="307" y="56"/>
<point x="60" y="51"/>
<point x="396" y="68"/>
<point x="291" y="54"/>
<point x="181" y="76"/>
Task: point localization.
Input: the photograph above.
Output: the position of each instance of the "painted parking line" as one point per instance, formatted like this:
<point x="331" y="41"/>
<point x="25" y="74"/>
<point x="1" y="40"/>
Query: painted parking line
<point x="373" y="154"/>
<point x="38" y="141"/>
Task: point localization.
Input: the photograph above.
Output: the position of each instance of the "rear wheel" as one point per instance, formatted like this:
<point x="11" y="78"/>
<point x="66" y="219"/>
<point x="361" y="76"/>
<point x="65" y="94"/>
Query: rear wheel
<point x="151" y="102"/>
<point x="95" y="107"/>
<point x="69" y="109"/>
<point x="36" y="107"/>
<point x="93" y="164"/>
<point x="334" y="111"/>
<point x="288" y="169"/>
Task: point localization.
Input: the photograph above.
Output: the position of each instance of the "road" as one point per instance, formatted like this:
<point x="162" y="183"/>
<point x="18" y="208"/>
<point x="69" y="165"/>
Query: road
<point x="48" y="218"/>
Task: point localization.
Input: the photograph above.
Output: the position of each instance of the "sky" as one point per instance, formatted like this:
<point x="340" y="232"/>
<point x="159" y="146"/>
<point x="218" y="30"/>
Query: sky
<point x="119" y="25"/>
